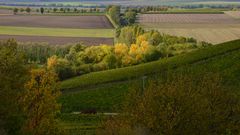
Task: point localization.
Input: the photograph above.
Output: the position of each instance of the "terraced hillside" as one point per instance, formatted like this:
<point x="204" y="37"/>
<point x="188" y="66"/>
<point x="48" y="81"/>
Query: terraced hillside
<point x="107" y="93"/>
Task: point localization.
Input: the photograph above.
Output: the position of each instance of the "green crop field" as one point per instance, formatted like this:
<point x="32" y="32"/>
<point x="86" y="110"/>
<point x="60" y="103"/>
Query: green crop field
<point x="31" y="31"/>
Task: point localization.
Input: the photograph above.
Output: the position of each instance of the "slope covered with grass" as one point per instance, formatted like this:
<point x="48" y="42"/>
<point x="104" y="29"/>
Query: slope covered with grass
<point x="150" y="68"/>
<point x="223" y="59"/>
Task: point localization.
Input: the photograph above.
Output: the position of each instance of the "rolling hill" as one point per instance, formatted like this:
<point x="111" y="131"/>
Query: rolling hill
<point x="109" y="88"/>
<point x="126" y="73"/>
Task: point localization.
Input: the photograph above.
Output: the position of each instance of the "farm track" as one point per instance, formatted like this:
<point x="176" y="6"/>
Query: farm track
<point x="68" y="91"/>
<point x="60" y="40"/>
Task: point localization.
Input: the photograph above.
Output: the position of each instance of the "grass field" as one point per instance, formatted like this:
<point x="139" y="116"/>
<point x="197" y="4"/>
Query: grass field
<point x="33" y="31"/>
<point x="102" y="98"/>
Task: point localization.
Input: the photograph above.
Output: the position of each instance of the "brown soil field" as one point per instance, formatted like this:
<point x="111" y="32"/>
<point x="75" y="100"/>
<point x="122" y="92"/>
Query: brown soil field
<point x="188" y="18"/>
<point x="5" y="12"/>
<point x="56" y="21"/>
<point x="60" y="40"/>
<point x="212" y="28"/>
<point x="234" y="14"/>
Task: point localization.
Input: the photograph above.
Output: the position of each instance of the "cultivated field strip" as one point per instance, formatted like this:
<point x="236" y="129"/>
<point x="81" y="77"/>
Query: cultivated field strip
<point x="212" y="28"/>
<point x="5" y="12"/>
<point x="76" y="22"/>
<point x="234" y="14"/>
<point x="187" y="18"/>
<point x="59" y="40"/>
<point x="215" y="36"/>
<point x="59" y="32"/>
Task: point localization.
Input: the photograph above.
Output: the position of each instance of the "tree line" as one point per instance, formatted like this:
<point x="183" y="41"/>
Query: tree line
<point x="121" y="19"/>
<point x="43" y="10"/>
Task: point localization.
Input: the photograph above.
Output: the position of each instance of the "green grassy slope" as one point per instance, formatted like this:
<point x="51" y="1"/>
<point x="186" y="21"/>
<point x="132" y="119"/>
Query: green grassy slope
<point x="223" y="59"/>
<point x="103" y="99"/>
<point x="149" y="68"/>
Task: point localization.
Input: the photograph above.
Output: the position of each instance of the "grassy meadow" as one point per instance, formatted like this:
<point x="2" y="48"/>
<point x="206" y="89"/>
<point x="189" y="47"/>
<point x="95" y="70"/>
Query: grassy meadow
<point x="33" y="31"/>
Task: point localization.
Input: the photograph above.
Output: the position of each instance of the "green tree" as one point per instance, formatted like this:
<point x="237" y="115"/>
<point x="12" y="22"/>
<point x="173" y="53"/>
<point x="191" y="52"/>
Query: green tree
<point x="28" y="10"/>
<point x="130" y="17"/>
<point x="15" y="11"/>
<point x="75" y="10"/>
<point x="55" y="10"/>
<point x="114" y="13"/>
<point x="42" y="10"/>
<point x="12" y="77"/>
<point x="39" y="103"/>
<point x="22" y="10"/>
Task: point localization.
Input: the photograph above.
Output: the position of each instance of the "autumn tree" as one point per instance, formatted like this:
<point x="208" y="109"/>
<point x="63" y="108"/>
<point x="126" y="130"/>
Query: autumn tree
<point x="129" y="34"/>
<point x="60" y="66"/>
<point x="12" y="77"/>
<point x="40" y="105"/>
<point x="120" y="50"/>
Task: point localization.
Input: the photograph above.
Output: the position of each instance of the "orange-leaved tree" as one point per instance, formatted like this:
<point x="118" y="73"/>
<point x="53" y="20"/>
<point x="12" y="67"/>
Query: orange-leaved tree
<point x="40" y="103"/>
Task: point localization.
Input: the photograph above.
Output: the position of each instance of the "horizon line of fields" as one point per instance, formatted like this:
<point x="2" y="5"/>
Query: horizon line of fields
<point x="62" y="32"/>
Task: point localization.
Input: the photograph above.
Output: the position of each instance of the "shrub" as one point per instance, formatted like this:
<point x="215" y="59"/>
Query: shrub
<point x="181" y="104"/>
<point x="61" y="66"/>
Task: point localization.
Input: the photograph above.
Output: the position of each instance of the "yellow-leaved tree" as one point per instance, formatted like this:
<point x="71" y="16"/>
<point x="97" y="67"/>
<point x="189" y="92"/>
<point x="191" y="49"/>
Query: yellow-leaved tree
<point x="40" y="103"/>
<point x="121" y="52"/>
